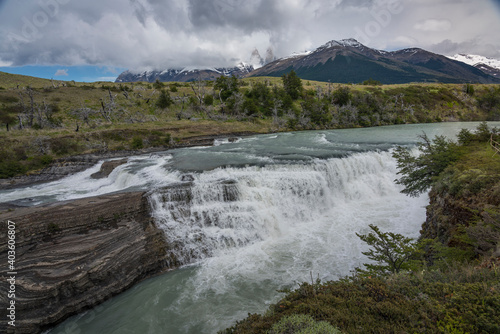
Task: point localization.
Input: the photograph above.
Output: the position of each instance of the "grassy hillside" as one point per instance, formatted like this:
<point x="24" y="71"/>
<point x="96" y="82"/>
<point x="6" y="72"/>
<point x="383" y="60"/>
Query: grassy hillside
<point x="42" y="120"/>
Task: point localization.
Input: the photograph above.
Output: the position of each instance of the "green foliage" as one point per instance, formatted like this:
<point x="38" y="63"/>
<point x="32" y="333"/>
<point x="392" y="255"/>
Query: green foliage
<point x="63" y="146"/>
<point x="490" y="100"/>
<point x="302" y="324"/>
<point x="164" y="100"/>
<point x="469" y="89"/>
<point x="342" y="96"/>
<point x="262" y="97"/>
<point x="420" y="172"/>
<point x="391" y="252"/>
<point x="227" y="86"/>
<point x="10" y="168"/>
<point x="158" y="84"/>
<point x="465" y="137"/>
<point x="318" y="111"/>
<point x="463" y="298"/>
<point x="483" y="132"/>
<point x="208" y="100"/>
<point x="371" y="82"/>
<point x="137" y="143"/>
<point x="173" y="87"/>
<point x="249" y="107"/>
<point x="292" y="84"/>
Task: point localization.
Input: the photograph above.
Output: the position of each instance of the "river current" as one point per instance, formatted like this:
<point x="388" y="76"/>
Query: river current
<point x="265" y="213"/>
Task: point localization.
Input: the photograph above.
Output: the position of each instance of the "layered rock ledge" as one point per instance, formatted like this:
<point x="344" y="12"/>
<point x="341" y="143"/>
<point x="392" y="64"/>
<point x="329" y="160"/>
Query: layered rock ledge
<point x="73" y="255"/>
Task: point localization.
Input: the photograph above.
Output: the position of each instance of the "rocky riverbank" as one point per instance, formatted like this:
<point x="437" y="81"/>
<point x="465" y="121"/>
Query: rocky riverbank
<point x="69" y="165"/>
<point x="71" y="256"/>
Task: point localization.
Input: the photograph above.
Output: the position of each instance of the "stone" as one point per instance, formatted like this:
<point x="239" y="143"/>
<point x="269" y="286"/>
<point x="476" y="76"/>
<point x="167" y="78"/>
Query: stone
<point x="74" y="255"/>
<point x="107" y="167"/>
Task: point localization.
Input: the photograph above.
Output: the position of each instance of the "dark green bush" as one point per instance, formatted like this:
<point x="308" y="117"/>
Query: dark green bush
<point x="208" y="100"/>
<point x="137" y="143"/>
<point x="164" y="100"/>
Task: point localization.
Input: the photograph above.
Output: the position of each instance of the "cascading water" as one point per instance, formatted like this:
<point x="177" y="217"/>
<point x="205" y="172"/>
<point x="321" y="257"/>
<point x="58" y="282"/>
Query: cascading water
<point x="235" y="207"/>
<point x="248" y="218"/>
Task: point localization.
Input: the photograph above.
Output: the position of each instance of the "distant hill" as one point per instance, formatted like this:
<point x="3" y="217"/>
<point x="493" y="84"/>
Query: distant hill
<point x="348" y="61"/>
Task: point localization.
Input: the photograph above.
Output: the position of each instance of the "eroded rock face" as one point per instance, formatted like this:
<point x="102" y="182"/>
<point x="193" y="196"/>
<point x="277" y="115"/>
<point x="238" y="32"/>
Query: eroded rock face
<point x="107" y="167"/>
<point x="71" y="256"/>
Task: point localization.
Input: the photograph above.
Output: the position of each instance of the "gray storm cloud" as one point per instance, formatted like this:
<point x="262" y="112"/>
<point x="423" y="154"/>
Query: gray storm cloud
<point x="159" y="34"/>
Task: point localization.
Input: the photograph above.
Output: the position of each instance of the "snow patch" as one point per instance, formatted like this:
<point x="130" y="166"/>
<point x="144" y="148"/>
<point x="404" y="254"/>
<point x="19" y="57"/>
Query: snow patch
<point x="476" y="59"/>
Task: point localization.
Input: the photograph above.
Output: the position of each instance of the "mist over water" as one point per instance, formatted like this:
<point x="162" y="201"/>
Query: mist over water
<point x="254" y="217"/>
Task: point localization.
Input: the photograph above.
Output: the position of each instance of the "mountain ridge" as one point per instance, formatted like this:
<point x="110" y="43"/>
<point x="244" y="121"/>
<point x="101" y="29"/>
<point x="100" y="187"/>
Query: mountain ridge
<point x="488" y="65"/>
<point x="341" y="61"/>
<point x="348" y="61"/>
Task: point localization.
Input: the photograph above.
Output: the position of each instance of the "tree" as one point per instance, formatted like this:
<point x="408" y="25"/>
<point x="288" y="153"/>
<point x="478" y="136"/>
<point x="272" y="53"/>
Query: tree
<point x="158" y="84"/>
<point x="292" y="84"/>
<point x="227" y="86"/>
<point x="164" y="100"/>
<point x="342" y="96"/>
<point x="420" y="172"/>
<point x="391" y="252"/>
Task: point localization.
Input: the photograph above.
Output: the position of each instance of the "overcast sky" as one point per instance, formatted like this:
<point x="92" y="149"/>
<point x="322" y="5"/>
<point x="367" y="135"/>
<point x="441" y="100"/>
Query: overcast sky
<point x="141" y="34"/>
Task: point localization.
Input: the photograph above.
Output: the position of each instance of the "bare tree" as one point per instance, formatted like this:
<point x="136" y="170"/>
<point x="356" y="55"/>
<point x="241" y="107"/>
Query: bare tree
<point x="84" y="114"/>
<point x="107" y="109"/>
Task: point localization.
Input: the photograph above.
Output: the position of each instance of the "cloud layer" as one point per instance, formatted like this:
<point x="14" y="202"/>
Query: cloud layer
<point x="140" y="34"/>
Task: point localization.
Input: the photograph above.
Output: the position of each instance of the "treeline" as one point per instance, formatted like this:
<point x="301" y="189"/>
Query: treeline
<point x="293" y="107"/>
<point x="288" y="103"/>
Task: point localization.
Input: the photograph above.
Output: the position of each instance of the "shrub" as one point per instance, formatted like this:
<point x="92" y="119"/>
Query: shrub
<point x="137" y="143"/>
<point x="302" y="324"/>
<point x="10" y="168"/>
<point x="208" y="100"/>
<point x="371" y="82"/>
<point x="342" y="96"/>
<point x="158" y="84"/>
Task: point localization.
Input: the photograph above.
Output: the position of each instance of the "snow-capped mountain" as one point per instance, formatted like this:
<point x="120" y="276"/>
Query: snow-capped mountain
<point x="490" y="66"/>
<point x="191" y="73"/>
<point x="473" y="60"/>
<point x="345" y="61"/>
<point x="185" y="74"/>
<point x="349" y="61"/>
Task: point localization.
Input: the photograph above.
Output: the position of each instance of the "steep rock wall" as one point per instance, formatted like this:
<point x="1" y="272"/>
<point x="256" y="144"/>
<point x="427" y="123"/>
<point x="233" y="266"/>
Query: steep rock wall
<point x="71" y="256"/>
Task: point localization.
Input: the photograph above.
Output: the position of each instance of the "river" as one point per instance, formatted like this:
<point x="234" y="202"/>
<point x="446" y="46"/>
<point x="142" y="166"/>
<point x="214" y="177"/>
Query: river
<point x="265" y="213"/>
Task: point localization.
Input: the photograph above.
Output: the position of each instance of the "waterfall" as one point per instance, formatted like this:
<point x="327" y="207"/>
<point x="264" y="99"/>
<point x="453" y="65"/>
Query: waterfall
<point x="218" y="211"/>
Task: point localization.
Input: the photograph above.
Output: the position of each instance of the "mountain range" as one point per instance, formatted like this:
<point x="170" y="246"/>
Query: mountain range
<point x="345" y="61"/>
<point x="485" y="64"/>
